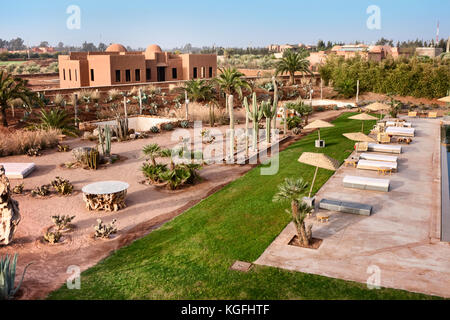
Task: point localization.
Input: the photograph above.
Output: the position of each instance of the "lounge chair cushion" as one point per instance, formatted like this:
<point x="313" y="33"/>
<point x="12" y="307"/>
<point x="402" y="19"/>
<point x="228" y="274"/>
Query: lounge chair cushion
<point x="387" y="148"/>
<point x="18" y="170"/>
<point x="346" y="206"/>
<point x="365" y="183"/>
<point x="378" y="157"/>
<point x="375" y="165"/>
<point x="399" y="131"/>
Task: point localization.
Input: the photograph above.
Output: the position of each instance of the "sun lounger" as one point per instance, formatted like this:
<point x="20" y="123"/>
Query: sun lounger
<point x="378" y="157"/>
<point x="18" y="170"/>
<point x="365" y="183"/>
<point x="345" y="206"/>
<point x="386" y="148"/>
<point x="412" y="114"/>
<point x="399" y="131"/>
<point x="398" y="124"/>
<point x="376" y="165"/>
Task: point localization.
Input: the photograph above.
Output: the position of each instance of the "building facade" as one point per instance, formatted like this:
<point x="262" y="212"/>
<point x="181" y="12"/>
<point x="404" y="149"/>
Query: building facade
<point x="117" y="66"/>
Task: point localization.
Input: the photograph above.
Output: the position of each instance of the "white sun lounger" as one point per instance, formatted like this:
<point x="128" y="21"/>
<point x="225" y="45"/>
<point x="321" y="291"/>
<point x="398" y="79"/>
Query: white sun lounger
<point x="393" y="124"/>
<point x="378" y="157"/>
<point x="386" y="148"/>
<point x="18" y="170"/>
<point x="375" y="165"/>
<point x="399" y="131"/>
<point x="365" y="183"/>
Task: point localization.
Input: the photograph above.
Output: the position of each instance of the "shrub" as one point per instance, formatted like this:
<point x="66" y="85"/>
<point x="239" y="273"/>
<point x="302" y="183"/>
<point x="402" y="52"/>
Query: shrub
<point x="154" y="129"/>
<point x="153" y="172"/>
<point x="185" y="124"/>
<point x="62" y="186"/>
<point x="167" y="127"/>
<point x="41" y="191"/>
<point x="34" y="152"/>
<point x="104" y="231"/>
<point x="52" y="237"/>
<point x="59" y="100"/>
<point x="294" y="122"/>
<point x="19" y="142"/>
<point x="62" y="222"/>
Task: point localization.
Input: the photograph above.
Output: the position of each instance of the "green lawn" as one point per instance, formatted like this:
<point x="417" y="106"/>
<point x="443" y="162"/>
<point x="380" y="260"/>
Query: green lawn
<point x="189" y="257"/>
<point x="6" y="63"/>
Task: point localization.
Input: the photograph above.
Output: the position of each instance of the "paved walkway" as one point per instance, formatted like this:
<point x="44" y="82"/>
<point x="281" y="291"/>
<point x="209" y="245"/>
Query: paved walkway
<point x="401" y="237"/>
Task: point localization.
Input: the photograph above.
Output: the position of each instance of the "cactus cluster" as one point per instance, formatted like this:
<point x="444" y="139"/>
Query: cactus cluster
<point x="41" y="191"/>
<point x="18" y="189"/>
<point x="62" y="186"/>
<point x="91" y="159"/>
<point x="52" y="237"/>
<point x="62" y="222"/>
<point x="104" y="231"/>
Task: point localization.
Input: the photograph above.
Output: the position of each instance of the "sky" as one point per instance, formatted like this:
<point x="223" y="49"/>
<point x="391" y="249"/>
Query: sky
<point x="231" y="23"/>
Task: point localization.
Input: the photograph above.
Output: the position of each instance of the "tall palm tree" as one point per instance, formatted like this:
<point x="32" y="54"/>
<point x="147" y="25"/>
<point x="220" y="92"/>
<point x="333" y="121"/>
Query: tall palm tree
<point x="293" y="62"/>
<point x="230" y="81"/>
<point x="293" y="190"/>
<point x="13" y="88"/>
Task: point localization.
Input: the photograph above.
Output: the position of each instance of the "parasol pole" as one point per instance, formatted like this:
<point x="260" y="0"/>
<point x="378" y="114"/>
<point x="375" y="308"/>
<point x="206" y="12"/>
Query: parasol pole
<point x="319" y="133"/>
<point x="314" y="180"/>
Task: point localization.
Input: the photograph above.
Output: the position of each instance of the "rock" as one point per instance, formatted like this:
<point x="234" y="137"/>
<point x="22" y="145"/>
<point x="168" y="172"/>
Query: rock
<point x="80" y="152"/>
<point x="9" y="211"/>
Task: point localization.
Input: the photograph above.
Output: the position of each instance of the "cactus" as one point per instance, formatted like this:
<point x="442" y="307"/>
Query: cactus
<point x="255" y="114"/>
<point x="62" y="222"/>
<point x="104" y="140"/>
<point x="62" y="186"/>
<point x="269" y="112"/>
<point x="246" y="129"/>
<point x="275" y="102"/>
<point x="8" y="277"/>
<point x="104" y="231"/>
<point x="52" y="237"/>
<point x="91" y="159"/>
<point x="231" y="110"/>
<point x="122" y="128"/>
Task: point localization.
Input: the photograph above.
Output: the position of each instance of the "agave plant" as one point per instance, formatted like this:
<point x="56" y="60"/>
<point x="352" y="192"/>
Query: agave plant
<point x="57" y="119"/>
<point x="8" y="277"/>
<point x="176" y="177"/>
<point x="153" y="172"/>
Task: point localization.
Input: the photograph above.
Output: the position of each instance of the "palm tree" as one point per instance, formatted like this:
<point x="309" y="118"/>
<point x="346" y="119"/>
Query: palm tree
<point x="199" y="90"/>
<point x="293" y="62"/>
<point x="13" y="88"/>
<point x="57" y="119"/>
<point x="168" y="153"/>
<point x="231" y="82"/>
<point x="152" y="151"/>
<point x="293" y="190"/>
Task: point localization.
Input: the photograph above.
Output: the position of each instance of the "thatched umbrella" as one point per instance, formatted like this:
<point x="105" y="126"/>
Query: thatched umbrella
<point x="318" y="160"/>
<point x="363" y="117"/>
<point x="445" y="99"/>
<point x="377" y="106"/>
<point x="359" y="137"/>
<point x="319" y="124"/>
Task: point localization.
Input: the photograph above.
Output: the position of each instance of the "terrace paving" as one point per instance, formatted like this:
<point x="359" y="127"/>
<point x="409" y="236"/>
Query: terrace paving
<point x="401" y="237"/>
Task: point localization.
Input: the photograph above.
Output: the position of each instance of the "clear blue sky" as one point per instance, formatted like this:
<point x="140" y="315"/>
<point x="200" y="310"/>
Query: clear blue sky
<point x="242" y="23"/>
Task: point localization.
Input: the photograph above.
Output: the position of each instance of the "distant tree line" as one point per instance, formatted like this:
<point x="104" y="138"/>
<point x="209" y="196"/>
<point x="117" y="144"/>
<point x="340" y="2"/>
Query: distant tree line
<point x="417" y="77"/>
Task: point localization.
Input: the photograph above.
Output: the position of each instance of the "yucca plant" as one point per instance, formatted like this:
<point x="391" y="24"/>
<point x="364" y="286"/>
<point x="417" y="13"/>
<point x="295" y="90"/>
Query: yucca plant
<point x="8" y="277"/>
<point x="57" y="119"/>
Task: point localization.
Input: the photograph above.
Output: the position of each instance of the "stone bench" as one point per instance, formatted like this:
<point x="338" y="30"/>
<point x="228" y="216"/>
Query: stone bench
<point x="346" y="206"/>
<point x="365" y="183"/>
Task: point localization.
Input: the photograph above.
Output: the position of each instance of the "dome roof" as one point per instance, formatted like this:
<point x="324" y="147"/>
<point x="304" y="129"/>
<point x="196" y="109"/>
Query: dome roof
<point x="153" y="48"/>
<point x="116" y="48"/>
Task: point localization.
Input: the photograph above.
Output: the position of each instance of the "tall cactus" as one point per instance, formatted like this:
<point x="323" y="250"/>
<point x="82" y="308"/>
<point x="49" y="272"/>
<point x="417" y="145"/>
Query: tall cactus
<point x="255" y="114"/>
<point x="246" y="128"/>
<point x="275" y="102"/>
<point x="268" y="112"/>
<point x="231" y="110"/>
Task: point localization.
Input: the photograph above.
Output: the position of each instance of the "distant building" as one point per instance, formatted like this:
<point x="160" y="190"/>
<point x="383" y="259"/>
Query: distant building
<point x="431" y="52"/>
<point x="372" y="53"/>
<point x="276" y="48"/>
<point x="43" y="50"/>
<point x="118" y="66"/>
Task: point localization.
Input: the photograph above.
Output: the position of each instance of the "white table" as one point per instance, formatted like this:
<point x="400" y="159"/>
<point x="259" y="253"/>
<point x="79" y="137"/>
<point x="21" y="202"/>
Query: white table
<point x="105" y="195"/>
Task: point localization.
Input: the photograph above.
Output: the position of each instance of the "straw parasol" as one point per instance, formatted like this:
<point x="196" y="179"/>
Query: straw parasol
<point x="359" y="137"/>
<point x="318" y="160"/>
<point x="363" y="117"/>
<point x="319" y="124"/>
<point x="377" y="106"/>
<point x="445" y="99"/>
